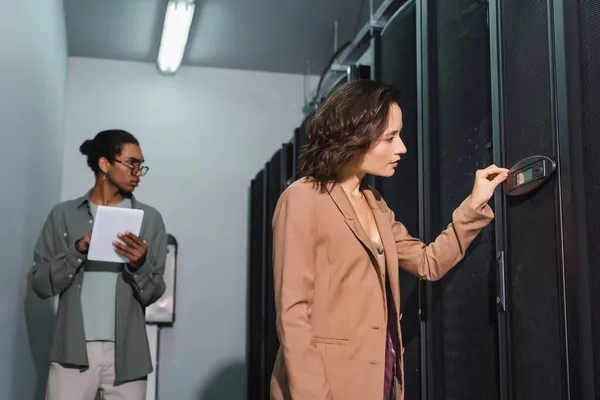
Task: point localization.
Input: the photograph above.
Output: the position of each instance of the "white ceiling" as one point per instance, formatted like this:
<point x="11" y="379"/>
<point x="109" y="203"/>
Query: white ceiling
<point x="263" y="35"/>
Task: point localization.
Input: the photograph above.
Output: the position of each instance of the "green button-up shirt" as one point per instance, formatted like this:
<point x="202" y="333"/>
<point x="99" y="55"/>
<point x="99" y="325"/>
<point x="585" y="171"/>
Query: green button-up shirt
<point x="58" y="270"/>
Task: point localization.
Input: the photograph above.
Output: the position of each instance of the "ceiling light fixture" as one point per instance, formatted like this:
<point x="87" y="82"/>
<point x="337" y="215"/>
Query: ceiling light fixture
<point x="175" y="33"/>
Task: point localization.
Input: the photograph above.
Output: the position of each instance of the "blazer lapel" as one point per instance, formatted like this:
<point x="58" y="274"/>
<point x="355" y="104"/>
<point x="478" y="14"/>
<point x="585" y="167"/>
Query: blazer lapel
<point x="343" y="203"/>
<point x="385" y="231"/>
<point x="384" y="227"/>
<point x="389" y="243"/>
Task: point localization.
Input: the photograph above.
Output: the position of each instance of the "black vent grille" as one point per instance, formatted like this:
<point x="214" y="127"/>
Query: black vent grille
<point x="398" y="52"/>
<point x="589" y="32"/>
<point x="466" y="295"/>
<point x="274" y="189"/>
<point x="256" y="287"/>
<point x="532" y="247"/>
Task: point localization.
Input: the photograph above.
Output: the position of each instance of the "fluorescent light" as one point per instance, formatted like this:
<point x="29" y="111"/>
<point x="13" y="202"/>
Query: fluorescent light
<point x="176" y="29"/>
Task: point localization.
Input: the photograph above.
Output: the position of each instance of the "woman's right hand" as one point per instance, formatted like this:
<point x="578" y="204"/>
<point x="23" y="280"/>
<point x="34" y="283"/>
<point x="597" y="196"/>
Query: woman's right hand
<point x="486" y="181"/>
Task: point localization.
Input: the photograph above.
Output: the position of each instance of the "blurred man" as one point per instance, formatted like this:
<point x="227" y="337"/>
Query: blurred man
<point x="100" y="341"/>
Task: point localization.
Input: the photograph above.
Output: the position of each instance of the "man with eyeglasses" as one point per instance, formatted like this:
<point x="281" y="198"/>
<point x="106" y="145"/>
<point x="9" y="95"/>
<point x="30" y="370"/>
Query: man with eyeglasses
<point x="100" y="341"/>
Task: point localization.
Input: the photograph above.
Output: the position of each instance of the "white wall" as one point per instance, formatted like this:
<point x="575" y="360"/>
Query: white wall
<point x="205" y="133"/>
<point x="32" y="81"/>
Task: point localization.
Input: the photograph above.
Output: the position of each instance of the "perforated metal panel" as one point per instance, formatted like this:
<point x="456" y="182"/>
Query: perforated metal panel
<point x="256" y="287"/>
<point x="274" y="190"/>
<point x="399" y="63"/>
<point x="465" y="311"/>
<point x="533" y="284"/>
<point x="589" y="32"/>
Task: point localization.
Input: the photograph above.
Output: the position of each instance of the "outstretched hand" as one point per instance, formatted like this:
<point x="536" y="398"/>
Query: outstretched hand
<point x="486" y="181"/>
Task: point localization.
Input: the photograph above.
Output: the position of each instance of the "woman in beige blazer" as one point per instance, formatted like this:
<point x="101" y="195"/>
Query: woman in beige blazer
<point x="337" y="250"/>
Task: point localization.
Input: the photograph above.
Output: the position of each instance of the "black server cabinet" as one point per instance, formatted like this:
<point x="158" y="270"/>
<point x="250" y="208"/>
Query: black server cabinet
<point x="533" y="278"/>
<point x="460" y="332"/>
<point x="545" y="60"/>
<point x="280" y="171"/>
<point x="254" y="284"/>
<point x="257" y="274"/>
<point x="266" y="234"/>
<point x="584" y="37"/>
<point x="399" y="68"/>
<point x="275" y="188"/>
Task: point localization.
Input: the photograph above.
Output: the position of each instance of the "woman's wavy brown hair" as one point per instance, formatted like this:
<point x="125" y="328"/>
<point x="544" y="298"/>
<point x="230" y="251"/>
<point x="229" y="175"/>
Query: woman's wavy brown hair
<point x="343" y="129"/>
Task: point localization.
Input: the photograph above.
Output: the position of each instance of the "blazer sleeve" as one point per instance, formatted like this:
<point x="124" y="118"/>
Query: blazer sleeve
<point x="431" y="262"/>
<point x="294" y="257"/>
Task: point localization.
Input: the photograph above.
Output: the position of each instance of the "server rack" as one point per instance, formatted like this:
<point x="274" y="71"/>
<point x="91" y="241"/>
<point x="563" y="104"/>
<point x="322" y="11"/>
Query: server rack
<point x="426" y="106"/>
<point x="398" y="59"/>
<point x="460" y="319"/>
<point x="275" y="187"/>
<point x="257" y="284"/>
<point x="580" y="34"/>
<point x="549" y="315"/>
<point x="532" y="311"/>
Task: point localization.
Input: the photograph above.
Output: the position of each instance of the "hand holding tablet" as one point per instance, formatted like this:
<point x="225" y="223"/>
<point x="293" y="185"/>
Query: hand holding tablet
<point x="134" y="249"/>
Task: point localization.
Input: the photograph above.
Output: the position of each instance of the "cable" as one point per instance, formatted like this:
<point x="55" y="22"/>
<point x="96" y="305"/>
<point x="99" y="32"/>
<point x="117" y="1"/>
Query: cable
<point x="338" y="52"/>
<point x="358" y="19"/>
<point x="331" y="60"/>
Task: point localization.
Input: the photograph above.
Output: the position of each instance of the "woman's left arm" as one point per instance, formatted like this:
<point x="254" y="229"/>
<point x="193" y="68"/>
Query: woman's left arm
<point x="433" y="261"/>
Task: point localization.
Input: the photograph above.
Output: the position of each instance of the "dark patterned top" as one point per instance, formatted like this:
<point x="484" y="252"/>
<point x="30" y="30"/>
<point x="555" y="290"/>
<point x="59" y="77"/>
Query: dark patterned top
<point x="391" y="348"/>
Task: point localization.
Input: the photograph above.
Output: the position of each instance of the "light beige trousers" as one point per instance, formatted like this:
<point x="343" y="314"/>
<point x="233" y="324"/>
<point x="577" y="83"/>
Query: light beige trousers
<point x="66" y="383"/>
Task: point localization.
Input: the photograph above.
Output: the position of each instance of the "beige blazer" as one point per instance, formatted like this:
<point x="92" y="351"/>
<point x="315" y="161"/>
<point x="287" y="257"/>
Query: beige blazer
<point x="330" y="294"/>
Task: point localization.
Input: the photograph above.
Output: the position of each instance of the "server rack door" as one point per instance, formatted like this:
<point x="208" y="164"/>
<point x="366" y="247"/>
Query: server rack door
<point x="275" y="188"/>
<point x="256" y="286"/>
<point x="576" y="54"/>
<point x="558" y="120"/>
<point x="534" y="317"/>
<point x="428" y="174"/>
<point x="399" y="68"/>
<point x="265" y="373"/>
<point x="462" y="319"/>
<point x="588" y="29"/>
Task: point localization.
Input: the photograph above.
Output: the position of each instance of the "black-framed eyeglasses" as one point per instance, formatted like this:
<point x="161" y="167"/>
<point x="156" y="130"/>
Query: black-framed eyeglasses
<point x="142" y="169"/>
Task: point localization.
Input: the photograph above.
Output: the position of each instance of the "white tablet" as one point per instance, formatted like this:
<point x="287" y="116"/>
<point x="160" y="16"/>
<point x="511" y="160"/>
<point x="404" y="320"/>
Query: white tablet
<point x="109" y="222"/>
